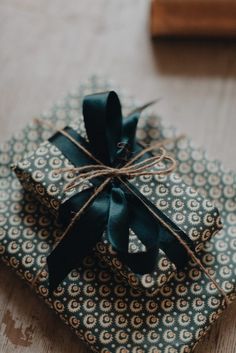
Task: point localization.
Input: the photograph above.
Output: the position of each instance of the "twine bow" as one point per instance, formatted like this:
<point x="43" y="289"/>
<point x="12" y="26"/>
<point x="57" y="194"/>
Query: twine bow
<point x="129" y="170"/>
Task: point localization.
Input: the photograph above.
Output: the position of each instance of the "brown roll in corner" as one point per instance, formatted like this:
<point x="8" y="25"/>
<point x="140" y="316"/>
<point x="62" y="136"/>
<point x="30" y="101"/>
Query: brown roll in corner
<point x="198" y="18"/>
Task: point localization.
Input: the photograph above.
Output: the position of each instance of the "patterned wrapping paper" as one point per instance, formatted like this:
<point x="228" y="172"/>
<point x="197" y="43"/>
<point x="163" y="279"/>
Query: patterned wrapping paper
<point x="193" y="214"/>
<point x="105" y="312"/>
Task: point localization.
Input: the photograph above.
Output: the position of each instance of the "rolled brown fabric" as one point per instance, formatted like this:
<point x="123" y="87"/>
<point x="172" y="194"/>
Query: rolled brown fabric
<point x="186" y="18"/>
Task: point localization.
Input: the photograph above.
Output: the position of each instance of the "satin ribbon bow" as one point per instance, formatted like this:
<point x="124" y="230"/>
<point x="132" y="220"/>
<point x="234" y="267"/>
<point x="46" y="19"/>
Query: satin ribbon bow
<point x="117" y="209"/>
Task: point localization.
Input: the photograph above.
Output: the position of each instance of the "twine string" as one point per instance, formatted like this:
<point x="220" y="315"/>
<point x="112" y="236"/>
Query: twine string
<point x="129" y="170"/>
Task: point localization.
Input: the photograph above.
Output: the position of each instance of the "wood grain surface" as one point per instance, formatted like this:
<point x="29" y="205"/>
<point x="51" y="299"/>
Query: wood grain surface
<point x="47" y="48"/>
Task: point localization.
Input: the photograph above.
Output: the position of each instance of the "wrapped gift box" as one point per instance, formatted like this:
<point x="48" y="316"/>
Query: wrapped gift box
<point x="189" y="212"/>
<point x="107" y="314"/>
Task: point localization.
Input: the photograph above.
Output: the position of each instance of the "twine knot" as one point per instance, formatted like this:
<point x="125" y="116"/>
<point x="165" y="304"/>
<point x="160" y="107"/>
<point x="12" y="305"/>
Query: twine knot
<point x="161" y="164"/>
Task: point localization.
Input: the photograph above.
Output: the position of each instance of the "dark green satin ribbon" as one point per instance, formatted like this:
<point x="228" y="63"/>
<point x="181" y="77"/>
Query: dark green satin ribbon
<point x="116" y="210"/>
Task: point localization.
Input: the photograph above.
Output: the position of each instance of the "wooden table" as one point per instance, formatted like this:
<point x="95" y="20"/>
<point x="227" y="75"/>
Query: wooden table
<point x="48" y="47"/>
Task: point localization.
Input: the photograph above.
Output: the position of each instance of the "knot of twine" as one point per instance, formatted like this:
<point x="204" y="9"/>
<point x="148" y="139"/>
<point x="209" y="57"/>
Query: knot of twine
<point x="162" y="164"/>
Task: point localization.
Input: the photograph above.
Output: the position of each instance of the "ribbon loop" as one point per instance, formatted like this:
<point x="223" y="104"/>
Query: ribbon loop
<point x="103" y="123"/>
<point x="79" y="242"/>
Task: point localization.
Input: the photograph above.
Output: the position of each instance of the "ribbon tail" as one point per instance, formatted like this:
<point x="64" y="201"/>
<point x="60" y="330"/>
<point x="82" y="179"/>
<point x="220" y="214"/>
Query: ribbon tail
<point x="147" y="230"/>
<point x="129" y="130"/>
<point x="152" y="232"/>
<point x="70" y="253"/>
<point x="173" y="249"/>
<point x="118" y="220"/>
<point x="72" y="249"/>
<point x="127" y="212"/>
<point x="138" y="111"/>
